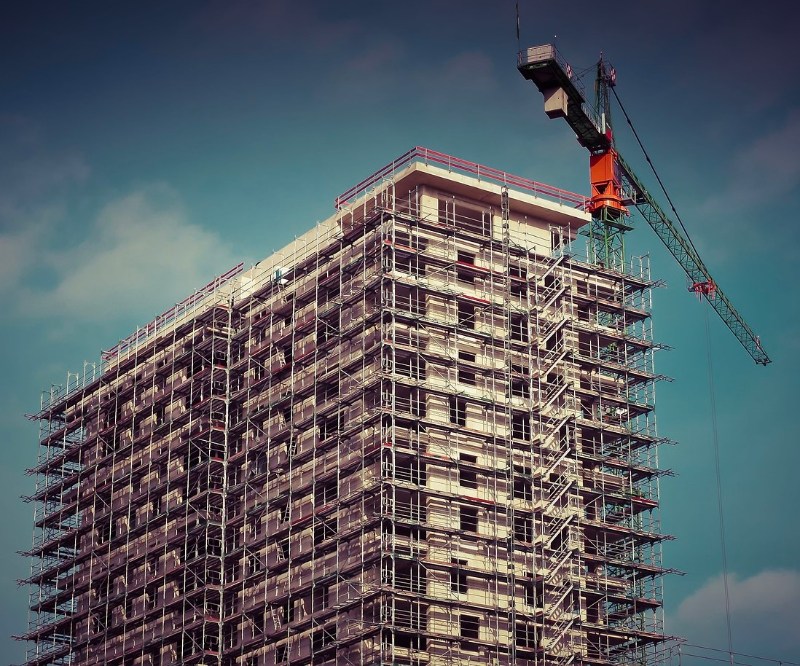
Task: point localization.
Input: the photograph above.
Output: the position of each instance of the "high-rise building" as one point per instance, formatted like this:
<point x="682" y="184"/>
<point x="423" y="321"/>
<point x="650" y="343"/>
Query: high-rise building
<point x="420" y="434"/>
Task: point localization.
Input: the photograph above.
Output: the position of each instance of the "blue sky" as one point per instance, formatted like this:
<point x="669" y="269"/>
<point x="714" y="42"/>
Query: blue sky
<point x="168" y="141"/>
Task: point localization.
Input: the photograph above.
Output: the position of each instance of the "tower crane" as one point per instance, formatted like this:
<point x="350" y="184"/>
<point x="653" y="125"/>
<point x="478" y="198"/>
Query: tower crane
<point x="615" y="187"/>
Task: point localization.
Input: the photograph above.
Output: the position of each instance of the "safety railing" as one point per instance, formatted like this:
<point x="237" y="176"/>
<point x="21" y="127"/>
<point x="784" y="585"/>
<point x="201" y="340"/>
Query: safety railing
<point x="455" y="164"/>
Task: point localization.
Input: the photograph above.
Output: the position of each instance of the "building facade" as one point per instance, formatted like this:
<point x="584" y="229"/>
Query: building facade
<point x="421" y="434"/>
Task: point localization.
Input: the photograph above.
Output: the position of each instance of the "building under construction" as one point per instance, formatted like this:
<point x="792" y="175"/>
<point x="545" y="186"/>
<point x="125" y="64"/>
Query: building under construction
<point x="421" y="434"/>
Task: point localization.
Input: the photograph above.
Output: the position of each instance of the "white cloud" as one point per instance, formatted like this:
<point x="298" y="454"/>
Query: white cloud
<point x="765" y="614"/>
<point x="59" y="257"/>
<point x="17" y="250"/>
<point x="140" y="254"/>
<point x="762" y="172"/>
<point x="770" y="165"/>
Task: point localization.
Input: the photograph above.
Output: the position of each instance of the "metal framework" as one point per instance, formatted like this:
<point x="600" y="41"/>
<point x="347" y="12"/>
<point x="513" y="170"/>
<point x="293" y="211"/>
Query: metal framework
<point x="423" y="434"/>
<point x="619" y="185"/>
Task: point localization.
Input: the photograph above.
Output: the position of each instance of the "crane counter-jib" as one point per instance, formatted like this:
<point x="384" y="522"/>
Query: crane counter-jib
<point x="564" y="95"/>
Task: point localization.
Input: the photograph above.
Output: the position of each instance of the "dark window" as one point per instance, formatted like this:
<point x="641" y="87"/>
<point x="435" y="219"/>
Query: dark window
<point x="412" y="400"/>
<point x="419" y="406"/>
<point x="257" y="464"/>
<point x="466" y="356"/>
<point x="523" y="488"/>
<point x="253" y="565"/>
<point x="465" y="276"/>
<point x="518" y="328"/>
<point x="466" y="257"/>
<point x="108" y="531"/>
<point x="523" y="528"/>
<point x="552" y="282"/>
<point x="324" y="530"/>
<point x="327" y="294"/>
<point x="283" y="549"/>
<point x="411" y="264"/>
<point x="228" y="637"/>
<point x="530" y="594"/>
<point x="287" y="610"/>
<point x="258" y="371"/>
<point x="411" y="470"/>
<point x="520" y="388"/>
<point x="466" y="376"/>
<point x="327" y="329"/>
<point x="534" y="594"/>
<point x="325" y="492"/>
<point x="327" y="392"/>
<point x="555" y="341"/>
<point x="518" y="278"/>
<point x="329" y="427"/>
<point x="407" y="576"/>
<point x="458" y="577"/>
<point x="468" y="478"/>
<point x="150" y="597"/>
<point x="410" y="300"/>
<point x="521" y="427"/>
<point x="466" y="314"/>
<point x="409" y="239"/>
<point x="473" y="221"/>
<point x="458" y="411"/>
<point x="410" y="366"/>
<point x="280" y="655"/>
<point x="468" y="521"/>
<point x="319" y="597"/>
<point x="322" y="638"/>
<point x="470" y="626"/>
<point x="526" y="635"/>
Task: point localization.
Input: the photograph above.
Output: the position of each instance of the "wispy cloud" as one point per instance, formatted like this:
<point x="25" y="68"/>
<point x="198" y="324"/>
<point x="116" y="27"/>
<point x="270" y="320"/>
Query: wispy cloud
<point x="765" y="614"/>
<point x="765" y="168"/>
<point x="60" y="256"/>
<point x="761" y="176"/>
<point x="140" y="253"/>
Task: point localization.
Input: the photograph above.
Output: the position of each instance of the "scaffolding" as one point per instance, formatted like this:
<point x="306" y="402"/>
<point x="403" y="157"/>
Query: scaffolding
<point x="421" y="434"/>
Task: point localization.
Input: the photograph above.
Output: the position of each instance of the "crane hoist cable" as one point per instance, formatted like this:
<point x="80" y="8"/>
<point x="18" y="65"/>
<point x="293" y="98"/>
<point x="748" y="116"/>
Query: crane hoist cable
<point x="718" y="477"/>
<point x="652" y="167"/>
<point x="712" y="394"/>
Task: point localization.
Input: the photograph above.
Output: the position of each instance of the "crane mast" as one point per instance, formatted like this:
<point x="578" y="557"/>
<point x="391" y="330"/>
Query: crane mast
<point x="615" y="187"/>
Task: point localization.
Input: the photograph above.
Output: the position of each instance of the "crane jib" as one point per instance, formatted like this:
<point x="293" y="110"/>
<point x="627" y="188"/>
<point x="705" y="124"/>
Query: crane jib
<point x="693" y="265"/>
<point x="565" y="98"/>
